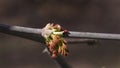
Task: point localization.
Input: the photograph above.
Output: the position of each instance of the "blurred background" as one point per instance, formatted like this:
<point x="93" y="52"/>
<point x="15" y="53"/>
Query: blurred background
<point x="78" y="15"/>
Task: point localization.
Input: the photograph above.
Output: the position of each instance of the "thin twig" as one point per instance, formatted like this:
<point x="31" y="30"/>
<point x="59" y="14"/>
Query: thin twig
<point x="33" y="34"/>
<point x="72" y="34"/>
<point x="89" y="35"/>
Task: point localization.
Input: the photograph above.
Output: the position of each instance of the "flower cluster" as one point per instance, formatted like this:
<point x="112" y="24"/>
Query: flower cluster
<point x="54" y="39"/>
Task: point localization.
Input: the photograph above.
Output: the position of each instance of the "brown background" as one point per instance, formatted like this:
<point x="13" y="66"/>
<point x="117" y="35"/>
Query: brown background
<point x="78" y="15"/>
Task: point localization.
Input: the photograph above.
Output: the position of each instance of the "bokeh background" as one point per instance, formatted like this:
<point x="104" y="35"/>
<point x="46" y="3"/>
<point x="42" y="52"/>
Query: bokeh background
<point x="78" y="15"/>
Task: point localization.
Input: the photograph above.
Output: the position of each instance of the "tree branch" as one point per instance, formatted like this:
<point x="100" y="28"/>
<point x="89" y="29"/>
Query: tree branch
<point x="89" y="35"/>
<point x="27" y="33"/>
<point x="74" y="37"/>
<point x="33" y="34"/>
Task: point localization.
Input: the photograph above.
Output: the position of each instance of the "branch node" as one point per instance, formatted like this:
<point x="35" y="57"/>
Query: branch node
<point x="55" y="42"/>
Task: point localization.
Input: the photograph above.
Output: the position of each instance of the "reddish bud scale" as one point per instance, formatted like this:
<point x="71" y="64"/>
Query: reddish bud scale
<point x="64" y="47"/>
<point x="56" y="41"/>
<point x="56" y="26"/>
<point x="50" y="48"/>
<point x="59" y="51"/>
<point x="54" y="52"/>
<point x="57" y="37"/>
<point x="66" y="31"/>
<point x="53" y="44"/>
<point x="54" y="56"/>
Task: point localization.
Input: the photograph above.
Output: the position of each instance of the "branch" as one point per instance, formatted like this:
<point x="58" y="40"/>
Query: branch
<point x="33" y="34"/>
<point x="74" y="37"/>
<point x="89" y="35"/>
<point x="28" y="33"/>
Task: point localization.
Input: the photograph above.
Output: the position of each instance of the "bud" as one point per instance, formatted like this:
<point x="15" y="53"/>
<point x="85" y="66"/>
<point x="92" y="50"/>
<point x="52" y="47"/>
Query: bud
<point x="59" y="50"/>
<point x="54" y="52"/>
<point x="64" y="47"/>
<point x="57" y="37"/>
<point x="53" y="44"/>
<point x="57" y="26"/>
<point x="54" y="40"/>
<point x="54" y="56"/>
<point x="50" y="48"/>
